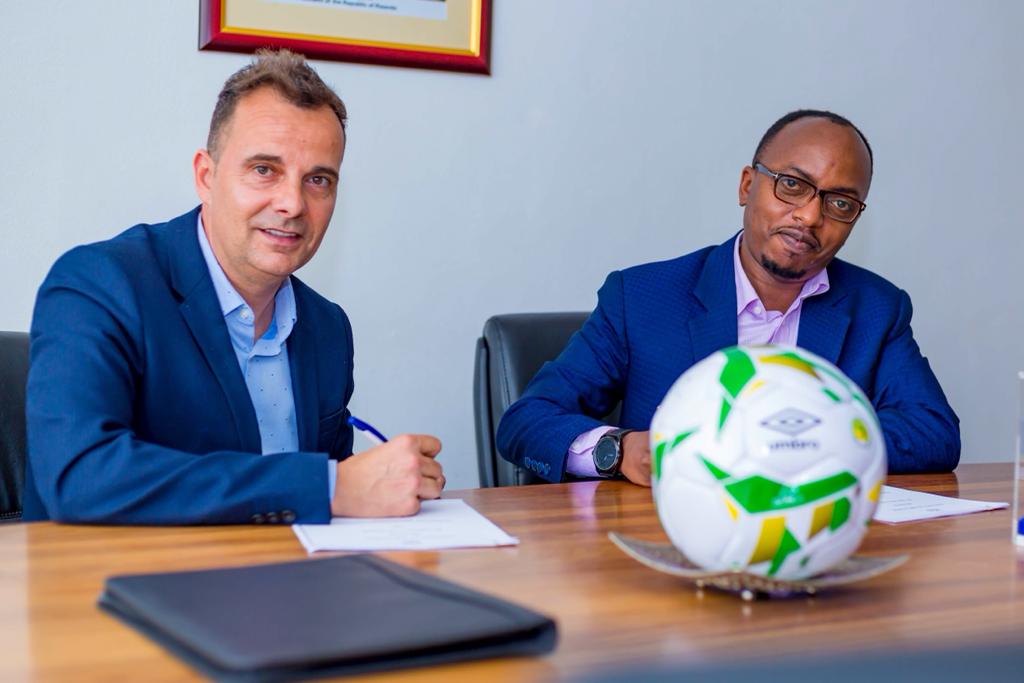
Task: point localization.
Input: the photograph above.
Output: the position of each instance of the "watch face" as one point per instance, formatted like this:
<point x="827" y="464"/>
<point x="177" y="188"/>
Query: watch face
<point x="606" y="452"/>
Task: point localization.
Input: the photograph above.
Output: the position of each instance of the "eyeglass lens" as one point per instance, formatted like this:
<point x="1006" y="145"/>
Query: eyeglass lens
<point x="800" y="193"/>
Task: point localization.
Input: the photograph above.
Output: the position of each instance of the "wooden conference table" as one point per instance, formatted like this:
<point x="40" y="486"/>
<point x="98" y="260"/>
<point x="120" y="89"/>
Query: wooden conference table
<point x="964" y="584"/>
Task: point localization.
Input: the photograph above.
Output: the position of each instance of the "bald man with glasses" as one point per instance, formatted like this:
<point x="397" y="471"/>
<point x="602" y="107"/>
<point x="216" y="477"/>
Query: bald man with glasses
<point x="776" y="282"/>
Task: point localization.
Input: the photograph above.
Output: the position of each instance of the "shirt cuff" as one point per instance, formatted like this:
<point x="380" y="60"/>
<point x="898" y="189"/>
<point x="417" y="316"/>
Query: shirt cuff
<point x="332" y="476"/>
<point x="579" y="460"/>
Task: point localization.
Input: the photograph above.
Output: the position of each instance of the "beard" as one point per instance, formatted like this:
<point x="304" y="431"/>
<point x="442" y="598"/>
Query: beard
<point x="778" y="271"/>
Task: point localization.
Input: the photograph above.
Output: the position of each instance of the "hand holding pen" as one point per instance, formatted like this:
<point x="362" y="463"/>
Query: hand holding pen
<point x="369" y="431"/>
<point x="389" y="479"/>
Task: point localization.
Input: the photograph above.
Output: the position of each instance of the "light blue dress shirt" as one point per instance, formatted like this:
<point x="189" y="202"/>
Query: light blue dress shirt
<point x="264" y="363"/>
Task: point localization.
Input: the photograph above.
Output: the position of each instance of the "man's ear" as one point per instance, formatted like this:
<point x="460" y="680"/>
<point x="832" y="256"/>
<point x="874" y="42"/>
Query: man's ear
<point x="203" y="168"/>
<point x="746" y="180"/>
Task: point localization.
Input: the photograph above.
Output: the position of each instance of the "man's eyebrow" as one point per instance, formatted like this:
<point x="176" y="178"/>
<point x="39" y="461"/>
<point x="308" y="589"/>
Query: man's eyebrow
<point x="796" y="170"/>
<point x="324" y="170"/>
<point x="269" y="158"/>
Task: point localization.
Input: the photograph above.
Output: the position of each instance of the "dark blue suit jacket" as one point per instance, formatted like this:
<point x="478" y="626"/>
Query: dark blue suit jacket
<point x="654" y="321"/>
<point x="137" y="410"/>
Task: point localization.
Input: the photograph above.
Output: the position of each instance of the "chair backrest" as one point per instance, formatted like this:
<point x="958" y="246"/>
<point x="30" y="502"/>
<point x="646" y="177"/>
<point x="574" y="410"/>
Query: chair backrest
<point x="510" y="352"/>
<point x="13" y="375"/>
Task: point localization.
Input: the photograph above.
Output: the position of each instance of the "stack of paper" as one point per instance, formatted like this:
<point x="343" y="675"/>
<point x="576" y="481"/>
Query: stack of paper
<point x="901" y="505"/>
<point x="439" y="524"/>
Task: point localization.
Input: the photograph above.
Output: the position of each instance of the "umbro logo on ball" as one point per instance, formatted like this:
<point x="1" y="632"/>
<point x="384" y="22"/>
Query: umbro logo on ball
<point x="790" y="421"/>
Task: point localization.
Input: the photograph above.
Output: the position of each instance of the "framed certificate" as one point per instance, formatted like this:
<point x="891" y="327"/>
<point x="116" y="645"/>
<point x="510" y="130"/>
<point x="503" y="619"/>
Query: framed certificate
<point x="431" y="34"/>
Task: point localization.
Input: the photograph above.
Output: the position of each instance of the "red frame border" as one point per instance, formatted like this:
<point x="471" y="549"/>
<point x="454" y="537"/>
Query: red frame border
<point x="212" y="38"/>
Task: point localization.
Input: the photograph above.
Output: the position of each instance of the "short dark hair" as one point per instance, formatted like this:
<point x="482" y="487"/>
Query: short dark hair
<point x="288" y="74"/>
<point x="792" y="116"/>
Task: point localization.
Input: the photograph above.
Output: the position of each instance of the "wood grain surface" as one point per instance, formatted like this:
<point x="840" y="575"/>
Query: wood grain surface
<point x="963" y="585"/>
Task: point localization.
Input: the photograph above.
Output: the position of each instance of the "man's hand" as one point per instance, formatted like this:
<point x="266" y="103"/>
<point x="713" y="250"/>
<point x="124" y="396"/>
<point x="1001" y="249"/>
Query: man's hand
<point x="636" y="458"/>
<point x="389" y="480"/>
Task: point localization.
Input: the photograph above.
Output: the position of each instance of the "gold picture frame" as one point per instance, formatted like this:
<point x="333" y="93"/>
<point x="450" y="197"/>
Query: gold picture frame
<point x="434" y="34"/>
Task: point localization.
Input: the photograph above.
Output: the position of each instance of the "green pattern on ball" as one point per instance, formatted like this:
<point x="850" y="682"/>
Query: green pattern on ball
<point x="787" y="547"/>
<point x="854" y="390"/>
<point x="715" y="472"/>
<point x="760" y="494"/>
<point x="682" y="437"/>
<point x="659" y="453"/>
<point x="738" y="370"/>
<point x="723" y="414"/>
<point x="840" y="513"/>
<point x="663" y="447"/>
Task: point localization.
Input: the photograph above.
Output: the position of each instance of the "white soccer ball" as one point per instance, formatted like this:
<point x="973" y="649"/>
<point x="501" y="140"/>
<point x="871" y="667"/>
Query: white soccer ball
<point x="766" y="459"/>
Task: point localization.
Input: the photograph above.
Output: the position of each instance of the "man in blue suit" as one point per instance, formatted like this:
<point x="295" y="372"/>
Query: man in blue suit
<point x="778" y="281"/>
<point x="181" y="374"/>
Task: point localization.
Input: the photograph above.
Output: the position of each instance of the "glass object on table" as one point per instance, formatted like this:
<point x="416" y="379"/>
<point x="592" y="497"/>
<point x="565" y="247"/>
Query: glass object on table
<point x="1018" y="466"/>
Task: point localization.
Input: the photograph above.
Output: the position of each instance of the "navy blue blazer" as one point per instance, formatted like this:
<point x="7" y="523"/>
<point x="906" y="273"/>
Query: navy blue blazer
<point x="137" y="410"/>
<point x="654" y="321"/>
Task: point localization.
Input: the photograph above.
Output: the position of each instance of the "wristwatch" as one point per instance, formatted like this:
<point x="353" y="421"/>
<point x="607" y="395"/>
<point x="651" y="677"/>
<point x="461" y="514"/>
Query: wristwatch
<point x="608" y="452"/>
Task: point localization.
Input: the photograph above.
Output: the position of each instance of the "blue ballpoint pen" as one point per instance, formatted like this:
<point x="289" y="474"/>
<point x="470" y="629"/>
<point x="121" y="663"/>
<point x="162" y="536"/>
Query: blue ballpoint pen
<point x="368" y="430"/>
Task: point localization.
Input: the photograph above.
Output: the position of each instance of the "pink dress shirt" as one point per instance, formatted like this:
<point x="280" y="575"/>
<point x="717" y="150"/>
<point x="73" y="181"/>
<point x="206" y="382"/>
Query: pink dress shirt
<point x="754" y="325"/>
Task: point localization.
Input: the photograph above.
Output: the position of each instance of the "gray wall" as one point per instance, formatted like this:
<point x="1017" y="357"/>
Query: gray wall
<point x="610" y="133"/>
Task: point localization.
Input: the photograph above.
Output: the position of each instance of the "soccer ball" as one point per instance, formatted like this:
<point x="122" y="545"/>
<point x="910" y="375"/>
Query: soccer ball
<point x="766" y="459"/>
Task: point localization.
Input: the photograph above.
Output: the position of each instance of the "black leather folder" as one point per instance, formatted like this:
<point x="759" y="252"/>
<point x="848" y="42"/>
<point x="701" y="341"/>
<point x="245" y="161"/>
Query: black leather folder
<point x="321" y="617"/>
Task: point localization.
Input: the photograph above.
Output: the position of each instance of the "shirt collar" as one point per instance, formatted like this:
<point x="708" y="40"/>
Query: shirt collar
<point x="229" y="298"/>
<point x="746" y="295"/>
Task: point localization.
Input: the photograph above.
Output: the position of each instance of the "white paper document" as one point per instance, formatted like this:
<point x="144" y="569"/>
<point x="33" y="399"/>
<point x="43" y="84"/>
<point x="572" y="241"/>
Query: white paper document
<point x="901" y="505"/>
<point x="439" y="524"/>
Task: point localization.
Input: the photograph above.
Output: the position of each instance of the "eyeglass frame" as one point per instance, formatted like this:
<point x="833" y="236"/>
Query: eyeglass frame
<point x="761" y="168"/>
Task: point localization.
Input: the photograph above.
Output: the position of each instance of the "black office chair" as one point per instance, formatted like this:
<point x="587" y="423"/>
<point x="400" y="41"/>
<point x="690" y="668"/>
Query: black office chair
<point x="510" y="352"/>
<point x="13" y="375"/>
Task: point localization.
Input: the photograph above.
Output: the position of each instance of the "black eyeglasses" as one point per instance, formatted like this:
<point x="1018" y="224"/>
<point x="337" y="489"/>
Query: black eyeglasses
<point x="799" y="192"/>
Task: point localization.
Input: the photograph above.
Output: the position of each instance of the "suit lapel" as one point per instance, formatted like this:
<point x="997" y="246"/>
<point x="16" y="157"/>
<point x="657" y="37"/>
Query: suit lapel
<point x="823" y="324"/>
<point x="715" y="329"/>
<point x="305" y="390"/>
<point x="200" y="309"/>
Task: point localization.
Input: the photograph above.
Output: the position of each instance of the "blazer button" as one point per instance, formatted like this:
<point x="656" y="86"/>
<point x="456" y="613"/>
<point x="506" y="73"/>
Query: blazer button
<point x="272" y="518"/>
<point x="258" y="518"/>
<point x="287" y="516"/>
